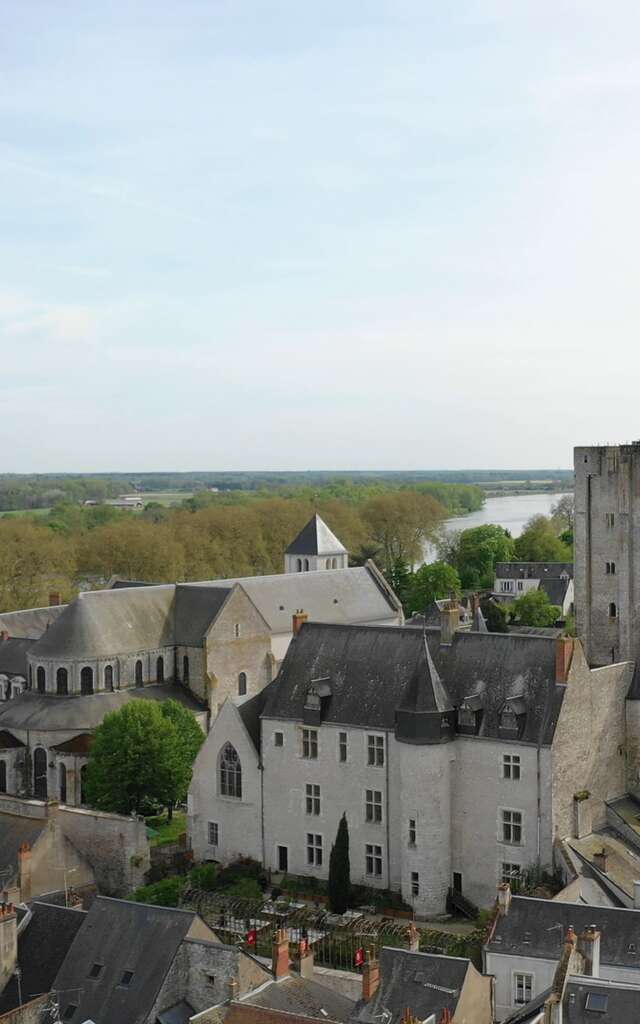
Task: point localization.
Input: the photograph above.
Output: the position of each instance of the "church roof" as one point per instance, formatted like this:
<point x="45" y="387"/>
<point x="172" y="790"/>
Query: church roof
<point x="30" y="623"/>
<point x="13" y="655"/>
<point x="316" y="539"/>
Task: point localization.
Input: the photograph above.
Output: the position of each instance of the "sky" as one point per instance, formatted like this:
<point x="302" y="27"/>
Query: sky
<point x="355" y="234"/>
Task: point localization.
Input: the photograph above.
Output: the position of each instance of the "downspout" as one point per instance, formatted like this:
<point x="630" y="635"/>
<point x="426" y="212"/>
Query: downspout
<point x="387" y="815"/>
<point x="261" y="770"/>
<point x="539" y="802"/>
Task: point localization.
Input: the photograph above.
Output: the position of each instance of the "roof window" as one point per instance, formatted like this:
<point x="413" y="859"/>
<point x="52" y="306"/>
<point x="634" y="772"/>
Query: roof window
<point x="69" y="1011"/>
<point x="95" y="971"/>
<point x="126" y="979"/>
<point x="596" y="1002"/>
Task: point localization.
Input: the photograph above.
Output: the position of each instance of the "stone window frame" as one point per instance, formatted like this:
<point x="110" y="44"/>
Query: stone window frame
<point x="373" y="860"/>
<point x="414" y="883"/>
<point x="229" y="780"/>
<point x="314" y="849"/>
<point x="278" y="742"/>
<point x="527" y="987"/>
<point x="512" y="767"/>
<point x="412" y="832"/>
<point x="373" y="804"/>
<point x="312" y="799"/>
<point x="343" y="747"/>
<point x="310" y="744"/>
<point x="375" y="750"/>
<point x="243" y="684"/>
<point x="213" y="833"/>
<point x="511" y="826"/>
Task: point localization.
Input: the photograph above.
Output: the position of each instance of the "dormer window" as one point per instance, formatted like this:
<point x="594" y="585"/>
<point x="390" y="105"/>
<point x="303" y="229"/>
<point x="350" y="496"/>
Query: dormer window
<point x="512" y="718"/>
<point x="470" y="715"/>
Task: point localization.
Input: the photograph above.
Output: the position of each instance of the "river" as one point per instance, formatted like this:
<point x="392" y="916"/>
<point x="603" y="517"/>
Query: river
<point x="512" y="512"/>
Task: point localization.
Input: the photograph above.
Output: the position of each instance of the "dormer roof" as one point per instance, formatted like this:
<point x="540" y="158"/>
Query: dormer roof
<point x="316" y="539"/>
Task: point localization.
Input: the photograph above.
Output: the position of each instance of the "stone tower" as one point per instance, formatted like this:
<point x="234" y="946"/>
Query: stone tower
<point x="607" y="552"/>
<point x="315" y="547"/>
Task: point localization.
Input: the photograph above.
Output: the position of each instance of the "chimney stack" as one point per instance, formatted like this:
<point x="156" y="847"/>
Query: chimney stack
<point x="370" y="977"/>
<point x="233" y="989"/>
<point x="636" y="895"/>
<point x="504" y="898"/>
<point x="306" y="960"/>
<point x="298" y="619"/>
<point x="589" y="946"/>
<point x="54" y="599"/>
<point x="280" y="954"/>
<point x="8" y="943"/>
<point x="449" y="620"/>
<point x="414" y="938"/>
<point x="600" y="860"/>
<point x="564" y="654"/>
<point x="24" y="866"/>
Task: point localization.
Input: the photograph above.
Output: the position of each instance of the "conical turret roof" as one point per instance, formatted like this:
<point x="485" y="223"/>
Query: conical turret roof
<point x="316" y="539"/>
<point x="425" y="691"/>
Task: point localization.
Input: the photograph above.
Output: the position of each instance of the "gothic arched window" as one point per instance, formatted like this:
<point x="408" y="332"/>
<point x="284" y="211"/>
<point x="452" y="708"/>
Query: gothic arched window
<point x="160" y="669"/>
<point x="86" y="680"/>
<point x="230" y="772"/>
<point x="108" y="677"/>
<point x="3" y="776"/>
<point x="306" y="565"/>
<point x="298" y="565"/>
<point x="334" y="563"/>
<point x="185" y="669"/>
<point x="62" y="783"/>
<point x="242" y="684"/>
<point x="62" y="681"/>
<point x="138" y="672"/>
<point x="40" y="773"/>
<point x="41" y="679"/>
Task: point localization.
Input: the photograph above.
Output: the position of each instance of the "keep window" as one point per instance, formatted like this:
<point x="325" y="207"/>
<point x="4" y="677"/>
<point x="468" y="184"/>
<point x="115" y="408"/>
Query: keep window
<point x="373" y="860"/>
<point x="511" y="767"/>
<point x="278" y="739"/>
<point x="373" y="805"/>
<point x="375" y="751"/>
<point x="95" y="970"/>
<point x="512" y="827"/>
<point x="610" y="520"/>
<point x="610" y="568"/>
<point x="613" y="611"/>
<point x="236" y="630"/>
<point x="342" y="747"/>
<point x="213" y="833"/>
<point x="415" y="883"/>
<point x="310" y="744"/>
<point x="412" y="831"/>
<point x="312" y="799"/>
<point x="522" y="989"/>
<point x="314" y="849"/>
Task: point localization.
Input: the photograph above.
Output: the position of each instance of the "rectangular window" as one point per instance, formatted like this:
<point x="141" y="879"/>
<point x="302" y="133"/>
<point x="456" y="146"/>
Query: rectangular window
<point x="213" y="833"/>
<point x="522" y="989"/>
<point x="511" y="874"/>
<point x="236" y="629"/>
<point x="126" y="979"/>
<point x="373" y="805"/>
<point x="342" y="746"/>
<point x="95" y="971"/>
<point x="373" y="860"/>
<point x="310" y="743"/>
<point x="610" y="520"/>
<point x="313" y="799"/>
<point x="375" y="751"/>
<point x="412" y="831"/>
<point x="610" y="568"/>
<point x="520" y="585"/>
<point x="278" y="739"/>
<point x="506" y="586"/>
<point x="69" y="1012"/>
<point x="511" y="767"/>
<point x="314" y="849"/>
<point x="512" y="827"/>
<point x="415" y="883"/>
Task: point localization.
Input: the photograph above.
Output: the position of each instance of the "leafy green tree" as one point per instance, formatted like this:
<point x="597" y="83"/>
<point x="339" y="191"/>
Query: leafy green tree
<point x="535" y="609"/>
<point x="539" y="542"/>
<point x="339" y="887"/>
<point x="138" y="756"/>
<point x="496" y="616"/>
<point x="400" y="579"/>
<point x="429" y="583"/>
<point x="478" y="550"/>
<point x="563" y="512"/>
<point x="400" y="523"/>
<point x="190" y="734"/>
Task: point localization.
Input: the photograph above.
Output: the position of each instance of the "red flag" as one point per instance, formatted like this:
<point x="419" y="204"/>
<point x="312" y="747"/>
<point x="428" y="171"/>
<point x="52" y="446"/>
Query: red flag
<point x="252" y="937"/>
<point x="359" y="957"/>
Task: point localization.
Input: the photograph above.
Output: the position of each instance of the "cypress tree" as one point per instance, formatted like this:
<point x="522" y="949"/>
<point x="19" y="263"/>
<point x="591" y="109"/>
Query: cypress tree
<point x="340" y="870"/>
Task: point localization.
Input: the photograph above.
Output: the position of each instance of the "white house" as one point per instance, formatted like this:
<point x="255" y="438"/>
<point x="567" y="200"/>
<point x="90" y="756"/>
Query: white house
<point x="515" y="579"/>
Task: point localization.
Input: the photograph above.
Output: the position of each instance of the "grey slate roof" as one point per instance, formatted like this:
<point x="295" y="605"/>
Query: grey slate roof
<point x="537" y="928"/>
<point x="304" y="998"/>
<point x="30" y="623"/>
<point x="556" y="590"/>
<point x="532" y="570"/>
<point x="316" y="539"/>
<point x="33" y="710"/>
<point x="622" y="1002"/>
<point x="370" y="667"/>
<point x="424" y="982"/>
<point x="13" y="656"/>
<point x="196" y="608"/>
<point x="122" y="936"/>
<point x="251" y="710"/>
<point x="42" y="946"/>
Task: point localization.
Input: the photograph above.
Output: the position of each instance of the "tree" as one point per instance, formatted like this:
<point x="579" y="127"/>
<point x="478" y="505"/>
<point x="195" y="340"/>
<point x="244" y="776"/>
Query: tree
<point x="400" y="523"/>
<point x="190" y="734"/>
<point x="139" y="756"/>
<point x="535" y="609"/>
<point x="496" y="616"/>
<point x="563" y="512"/>
<point x="539" y="542"/>
<point x="339" y="889"/>
<point x="429" y="583"/>
<point x="478" y="551"/>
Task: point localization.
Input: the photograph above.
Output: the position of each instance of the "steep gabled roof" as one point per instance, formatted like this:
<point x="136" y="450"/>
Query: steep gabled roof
<point x="196" y="609"/>
<point x="30" y="623"/>
<point x="424" y="982"/>
<point x="533" y="570"/>
<point x="13" y="655"/>
<point x="316" y="539"/>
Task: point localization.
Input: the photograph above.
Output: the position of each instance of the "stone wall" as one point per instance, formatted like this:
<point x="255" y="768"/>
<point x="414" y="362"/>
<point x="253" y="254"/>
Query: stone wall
<point x="227" y="655"/>
<point x="201" y="972"/>
<point x="116" y="847"/>
<point x="30" y="1013"/>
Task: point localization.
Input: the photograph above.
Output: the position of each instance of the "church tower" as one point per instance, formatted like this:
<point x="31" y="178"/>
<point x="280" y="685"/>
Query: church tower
<point x="315" y="547"/>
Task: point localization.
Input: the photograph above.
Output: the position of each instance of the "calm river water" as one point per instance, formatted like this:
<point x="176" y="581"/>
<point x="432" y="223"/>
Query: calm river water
<point x="511" y="512"/>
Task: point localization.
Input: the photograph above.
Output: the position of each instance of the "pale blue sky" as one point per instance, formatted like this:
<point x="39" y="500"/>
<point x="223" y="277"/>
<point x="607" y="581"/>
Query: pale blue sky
<point x="242" y="234"/>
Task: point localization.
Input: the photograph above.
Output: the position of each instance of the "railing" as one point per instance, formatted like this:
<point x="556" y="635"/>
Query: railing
<point x="458" y="901"/>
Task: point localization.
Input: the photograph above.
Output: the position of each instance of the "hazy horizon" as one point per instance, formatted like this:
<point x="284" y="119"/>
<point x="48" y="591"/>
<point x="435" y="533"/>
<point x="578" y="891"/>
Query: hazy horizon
<point x="269" y="234"/>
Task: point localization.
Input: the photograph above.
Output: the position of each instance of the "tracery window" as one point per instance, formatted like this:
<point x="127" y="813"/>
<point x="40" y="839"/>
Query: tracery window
<point x="230" y="772"/>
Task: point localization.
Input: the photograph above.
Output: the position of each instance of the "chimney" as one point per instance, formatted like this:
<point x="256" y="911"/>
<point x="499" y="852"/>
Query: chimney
<point x="370" y="977"/>
<point x="504" y="898"/>
<point x="4" y="635"/>
<point x="306" y="960"/>
<point x="449" y="620"/>
<point x="600" y="860"/>
<point x="564" y="654"/>
<point x="414" y="938"/>
<point x="280" y="954"/>
<point x="8" y="943"/>
<point x="636" y="895"/>
<point x="233" y="989"/>
<point x="54" y="599"/>
<point x="475" y="604"/>
<point x="298" y="619"/>
<point x="589" y="946"/>
<point x="24" y="867"/>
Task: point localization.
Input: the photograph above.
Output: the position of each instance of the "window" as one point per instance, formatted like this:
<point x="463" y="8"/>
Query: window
<point x="185" y="669"/>
<point x="511" y="767"/>
<point x="512" y="827"/>
<point x="138" y="672"/>
<point x="69" y="1011"/>
<point x="242" y="684"/>
<point x="511" y="874"/>
<point x="83" y="784"/>
<point x="610" y="520"/>
<point x="212" y="833"/>
<point x="62" y="681"/>
<point x="373" y="860"/>
<point x="40" y="773"/>
<point x="522" y="989"/>
<point x="597" y="1002"/>
<point x="375" y="750"/>
<point x="95" y="970"/>
<point x="160" y="669"/>
<point x="313" y="799"/>
<point x="334" y="563"/>
<point x="613" y="611"/>
<point x="41" y="679"/>
<point x="306" y="565"/>
<point x="278" y="739"/>
<point x="86" y="680"/>
<point x="298" y="565"/>
<point x="327" y="564"/>
<point x="310" y="743"/>
<point x="108" y="677"/>
<point x="314" y="849"/>
<point x="412" y="831"/>
<point x="373" y="805"/>
<point x="31" y="677"/>
<point x="506" y="586"/>
<point x="520" y="585"/>
<point x="610" y="568"/>
<point x="62" y="783"/>
<point x="415" y="883"/>
<point x="126" y="979"/>
<point x="3" y="776"/>
<point x="236" y="630"/>
<point x="342" y="747"/>
<point x="230" y="772"/>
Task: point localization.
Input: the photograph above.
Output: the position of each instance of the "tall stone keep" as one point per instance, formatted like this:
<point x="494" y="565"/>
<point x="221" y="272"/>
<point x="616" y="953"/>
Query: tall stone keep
<point x="315" y="547"/>
<point x="607" y="551"/>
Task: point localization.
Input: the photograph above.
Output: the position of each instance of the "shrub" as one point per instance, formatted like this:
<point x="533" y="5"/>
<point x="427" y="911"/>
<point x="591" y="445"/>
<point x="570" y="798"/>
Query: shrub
<point x="165" y="893"/>
<point x="205" y="876"/>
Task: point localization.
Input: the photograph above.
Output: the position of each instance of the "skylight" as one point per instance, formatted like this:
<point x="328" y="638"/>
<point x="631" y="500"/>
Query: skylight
<point x="596" y="1002"/>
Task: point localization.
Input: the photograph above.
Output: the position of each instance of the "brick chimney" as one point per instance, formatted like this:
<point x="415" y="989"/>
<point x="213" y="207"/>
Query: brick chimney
<point x="297" y="621"/>
<point x="8" y="942"/>
<point x="54" y="598"/>
<point x="370" y="977"/>
<point x="24" y="868"/>
<point x="449" y="620"/>
<point x="306" y="960"/>
<point x="504" y="898"/>
<point x="413" y="936"/>
<point x="600" y="859"/>
<point x="564" y="654"/>
<point x="280" y="954"/>
<point x="589" y="946"/>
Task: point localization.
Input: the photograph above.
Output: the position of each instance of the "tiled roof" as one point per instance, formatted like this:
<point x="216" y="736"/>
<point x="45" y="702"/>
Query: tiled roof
<point x="43" y="944"/>
<point x="426" y="983"/>
<point x="532" y="570"/>
<point x="316" y="539"/>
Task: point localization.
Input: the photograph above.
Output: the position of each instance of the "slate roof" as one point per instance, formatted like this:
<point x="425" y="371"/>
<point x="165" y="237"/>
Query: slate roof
<point x="14" y="831"/>
<point x="532" y="570"/>
<point x="370" y="667"/>
<point x="302" y="997"/>
<point x="30" y="623"/>
<point x="196" y="608"/>
<point x="120" y="935"/>
<point x="251" y="710"/>
<point x="316" y="539"/>
<point x="43" y="943"/>
<point x="622" y="1002"/>
<point x="33" y="710"/>
<point x="13" y="655"/>
<point x="424" y="982"/>
<point x="537" y="928"/>
<point x="556" y="590"/>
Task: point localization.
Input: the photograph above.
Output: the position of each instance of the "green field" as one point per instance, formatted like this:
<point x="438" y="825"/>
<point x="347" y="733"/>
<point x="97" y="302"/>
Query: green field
<point x="27" y="512"/>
